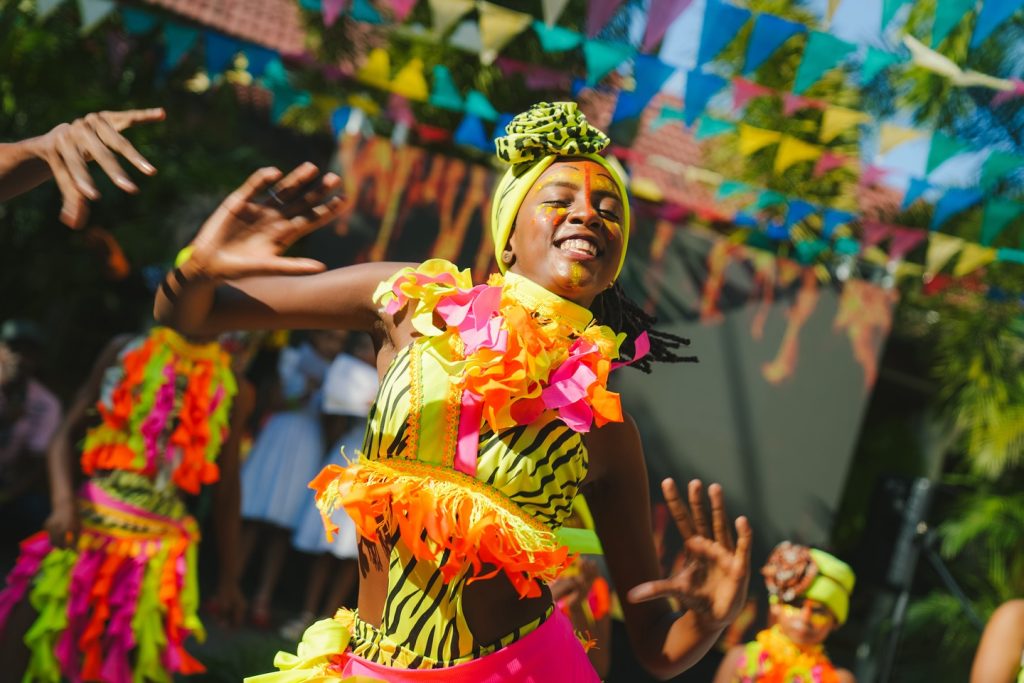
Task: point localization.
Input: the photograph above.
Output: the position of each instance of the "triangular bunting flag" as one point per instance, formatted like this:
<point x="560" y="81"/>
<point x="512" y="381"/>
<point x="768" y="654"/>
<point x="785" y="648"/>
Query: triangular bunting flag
<point x="793" y="151"/>
<point x="830" y="11"/>
<point x="401" y="9"/>
<point x="471" y="133"/>
<point x="893" y="136"/>
<point x="904" y="240"/>
<point x="743" y="91"/>
<point x="400" y="112"/>
<point x="432" y="134"/>
<point x="832" y="219"/>
<point x="650" y="74"/>
<point x="998" y="214"/>
<point x="722" y="21"/>
<point x="660" y="17"/>
<point x="447" y="13"/>
<point x="792" y="103"/>
<point x="889" y="10"/>
<point x="552" y="10"/>
<point x="1016" y="90"/>
<point x="730" y="188"/>
<point x="92" y="12"/>
<point x="410" y="82"/>
<point x="744" y="219"/>
<point x="823" y="52"/>
<point x="839" y="119"/>
<point x="753" y="139"/>
<point x="942" y="148"/>
<point x="955" y="200"/>
<point x="498" y="25"/>
<point x="874" y="62"/>
<point x="599" y="13"/>
<point x="700" y="88"/>
<point x="179" y="40"/>
<point x="941" y="248"/>
<point x="873" y="232"/>
<point x="376" y="70"/>
<point x="808" y="250"/>
<point x="135" y="21"/>
<point x="258" y="58"/>
<point x="798" y="210"/>
<point x="363" y="11"/>
<point x="777" y="230"/>
<point x="1011" y="255"/>
<point x="948" y="14"/>
<point x="768" y="198"/>
<point x="478" y="105"/>
<point x="769" y="33"/>
<point x="972" y="257"/>
<point x="330" y="10"/>
<point x="872" y="175"/>
<point x="602" y="57"/>
<point x="556" y="38"/>
<point x="503" y="121"/>
<point x="666" y="115"/>
<point x="445" y="95"/>
<point x="466" y="36"/>
<point x="339" y="117"/>
<point x="44" y="8"/>
<point x="916" y="188"/>
<point x="709" y="128"/>
<point x="220" y="50"/>
<point x="829" y="161"/>
<point x="993" y="13"/>
<point x="998" y="164"/>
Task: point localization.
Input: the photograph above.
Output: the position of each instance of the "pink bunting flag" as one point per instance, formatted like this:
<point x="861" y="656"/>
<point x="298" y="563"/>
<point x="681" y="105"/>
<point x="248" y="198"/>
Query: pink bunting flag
<point x="660" y="17"/>
<point x="399" y="110"/>
<point x="536" y="77"/>
<point x="872" y="175"/>
<point x="827" y="162"/>
<point x="1007" y="95"/>
<point x="401" y="8"/>
<point x="332" y="9"/>
<point x="743" y="91"/>
<point x="599" y="13"/>
<point x="792" y="103"/>
<point x="904" y="240"/>
<point x="874" y="232"/>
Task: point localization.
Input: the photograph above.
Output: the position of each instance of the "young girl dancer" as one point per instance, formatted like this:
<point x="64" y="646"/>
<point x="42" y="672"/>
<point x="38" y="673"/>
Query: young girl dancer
<point x="493" y="411"/>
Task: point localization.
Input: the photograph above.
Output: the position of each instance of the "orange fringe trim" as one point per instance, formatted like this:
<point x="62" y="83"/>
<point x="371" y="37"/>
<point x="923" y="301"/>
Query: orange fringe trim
<point x="475" y="522"/>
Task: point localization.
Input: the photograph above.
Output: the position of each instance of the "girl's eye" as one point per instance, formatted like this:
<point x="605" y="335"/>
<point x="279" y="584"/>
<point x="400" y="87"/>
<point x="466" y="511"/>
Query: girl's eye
<point x="609" y="214"/>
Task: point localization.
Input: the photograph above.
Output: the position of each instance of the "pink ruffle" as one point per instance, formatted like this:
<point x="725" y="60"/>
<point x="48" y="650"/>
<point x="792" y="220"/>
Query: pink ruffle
<point x="33" y="550"/>
<point x="120" y="638"/>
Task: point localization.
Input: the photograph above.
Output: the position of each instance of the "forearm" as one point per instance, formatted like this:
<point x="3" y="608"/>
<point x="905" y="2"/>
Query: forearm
<point x="228" y="526"/>
<point x="60" y="461"/>
<point x="185" y="300"/>
<point x="674" y="644"/>
<point x="21" y="169"/>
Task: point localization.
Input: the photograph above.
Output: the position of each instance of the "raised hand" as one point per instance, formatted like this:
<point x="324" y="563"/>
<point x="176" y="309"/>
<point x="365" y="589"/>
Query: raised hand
<point x="68" y="148"/>
<point x="255" y="225"/>
<point x="714" y="578"/>
<point x="63" y="525"/>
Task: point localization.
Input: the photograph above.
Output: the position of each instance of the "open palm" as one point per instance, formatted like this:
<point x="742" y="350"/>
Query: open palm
<point x="714" y="578"/>
<point x="251" y="229"/>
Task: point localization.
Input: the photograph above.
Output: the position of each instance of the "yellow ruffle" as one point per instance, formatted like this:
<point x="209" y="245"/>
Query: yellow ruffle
<point x="321" y="643"/>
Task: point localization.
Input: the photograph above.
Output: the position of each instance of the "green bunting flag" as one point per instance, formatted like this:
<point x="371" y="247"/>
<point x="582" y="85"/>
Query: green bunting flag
<point x="942" y="148"/>
<point x="768" y="198"/>
<point x="556" y="38"/>
<point x="874" y="62"/>
<point x="998" y="214"/>
<point x="730" y="188"/>
<point x="708" y="127"/>
<point x="478" y="104"/>
<point x="823" y="52"/>
<point x="44" y="8"/>
<point x="997" y="165"/>
<point x="948" y="14"/>
<point x="602" y="57"/>
<point x="889" y="10"/>
<point x="92" y="12"/>
<point x="445" y="95"/>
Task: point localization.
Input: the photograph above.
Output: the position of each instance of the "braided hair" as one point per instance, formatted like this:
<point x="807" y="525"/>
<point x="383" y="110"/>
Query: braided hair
<point x="616" y="310"/>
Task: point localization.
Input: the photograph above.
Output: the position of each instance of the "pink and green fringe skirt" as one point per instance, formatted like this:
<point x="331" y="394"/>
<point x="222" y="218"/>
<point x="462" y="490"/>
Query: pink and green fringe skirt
<point x="119" y="606"/>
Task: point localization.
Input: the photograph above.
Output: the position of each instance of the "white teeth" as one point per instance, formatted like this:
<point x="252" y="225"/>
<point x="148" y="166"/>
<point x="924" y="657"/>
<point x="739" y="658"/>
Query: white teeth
<point x="579" y="245"/>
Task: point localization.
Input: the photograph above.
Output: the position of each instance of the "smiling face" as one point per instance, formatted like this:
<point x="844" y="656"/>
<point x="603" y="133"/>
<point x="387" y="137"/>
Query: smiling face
<point x="805" y="622"/>
<point x="568" y="236"/>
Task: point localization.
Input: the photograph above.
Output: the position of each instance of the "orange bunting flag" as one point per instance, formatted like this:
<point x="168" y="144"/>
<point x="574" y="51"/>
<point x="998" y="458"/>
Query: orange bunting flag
<point x="838" y="119"/>
<point x="753" y="139"/>
<point x="941" y="248"/>
<point x="499" y="25"/>
<point x="410" y="82"/>
<point x="793" y="151"/>
<point x="972" y="257"/>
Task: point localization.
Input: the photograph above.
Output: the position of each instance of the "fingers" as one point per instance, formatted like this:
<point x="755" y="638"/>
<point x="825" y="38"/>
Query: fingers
<point x="696" y="493"/>
<point x="75" y="163"/>
<point x="119" y="143"/>
<point x="120" y="120"/>
<point x="320" y="192"/>
<point x="255" y="184"/>
<point x="652" y="590"/>
<point x="74" y="210"/>
<point x="745" y="536"/>
<point x="677" y="508"/>
<point x="87" y="138"/>
<point x="292" y="185"/>
<point x="719" y="518"/>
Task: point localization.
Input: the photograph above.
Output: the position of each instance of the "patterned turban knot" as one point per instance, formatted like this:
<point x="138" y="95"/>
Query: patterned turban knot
<point x="533" y="141"/>
<point x="794" y="571"/>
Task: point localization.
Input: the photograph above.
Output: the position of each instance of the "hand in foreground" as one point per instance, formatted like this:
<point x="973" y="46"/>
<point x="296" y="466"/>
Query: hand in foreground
<point x="714" y="578"/>
<point x="574" y="584"/>
<point x="63" y="525"/>
<point x="255" y="225"/>
<point x="69" y="147"/>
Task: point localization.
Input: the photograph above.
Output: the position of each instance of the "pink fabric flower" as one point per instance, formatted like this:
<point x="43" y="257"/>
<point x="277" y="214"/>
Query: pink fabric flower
<point x="474" y="313"/>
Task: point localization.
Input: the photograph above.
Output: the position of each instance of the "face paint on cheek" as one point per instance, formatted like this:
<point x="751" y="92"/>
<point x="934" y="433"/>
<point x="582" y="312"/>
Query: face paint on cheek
<point x="576" y="274"/>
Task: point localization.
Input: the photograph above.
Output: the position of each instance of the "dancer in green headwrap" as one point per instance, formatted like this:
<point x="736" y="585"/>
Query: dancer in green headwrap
<point x="492" y="412"/>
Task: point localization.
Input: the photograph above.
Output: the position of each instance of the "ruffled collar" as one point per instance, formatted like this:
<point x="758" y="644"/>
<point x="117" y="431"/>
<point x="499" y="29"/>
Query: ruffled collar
<point x="546" y="303"/>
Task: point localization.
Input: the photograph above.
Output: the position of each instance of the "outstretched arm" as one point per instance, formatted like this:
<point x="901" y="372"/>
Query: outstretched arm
<point x="64" y="154"/>
<point x="711" y="587"/>
<point x="237" y="278"/>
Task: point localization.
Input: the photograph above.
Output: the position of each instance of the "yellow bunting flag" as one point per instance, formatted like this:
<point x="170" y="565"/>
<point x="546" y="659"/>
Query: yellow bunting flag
<point x="365" y="103"/>
<point x="552" y="10"/>
<point x="838" y="119"/>
<point x="894" y="136"/>
<point x="499" y="25"/>
<point x="646" y="189"/>
<point x="410" y="82"/>
<point x="753" y="139"/>
<point x="972" y="257"/>
<point x="830" y="12"/>
<point x="376" y="71"/>
<point x="793" y="151"/>
<point x="941" y="248"/>
<point x="447" y="12"/>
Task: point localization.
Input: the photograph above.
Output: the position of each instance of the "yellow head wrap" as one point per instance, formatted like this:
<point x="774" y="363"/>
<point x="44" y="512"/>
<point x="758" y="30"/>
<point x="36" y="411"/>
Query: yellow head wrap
<point x="533" y="141"/>
<point x="798" y="571"/>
